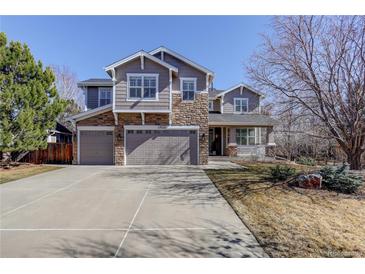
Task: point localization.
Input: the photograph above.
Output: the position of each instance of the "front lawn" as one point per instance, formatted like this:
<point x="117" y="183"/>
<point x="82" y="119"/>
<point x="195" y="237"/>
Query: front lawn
<point x="22" y="171"/>
<point x="294" y="222"/>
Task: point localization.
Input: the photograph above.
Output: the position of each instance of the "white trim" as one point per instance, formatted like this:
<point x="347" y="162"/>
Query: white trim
<point x="141" y="110"/>
<point x="222" y="103"/>
<point x="115" y="118"/>
<point x="111" y="95"/>
<point x="160" y="127"/>
<point x="222" y="140"/>
<point x="142" y="62"/>
<point x="102" y="128"/>
<point x="114" y="79"/>
<point x="170" y="91"/>
<point x="124" y="146"/>
<point x="234" y="105"/>
<point x="90" y="113"/>
<point x="142" y="117"/>
<point x="142" y="87"/>
<point x="245" y="124"/>
<point x="198" y="145"/>
<point x="92" y="128"/>
<point x="137" y="54"/>
<point x="179" y="56"/>
<point x="86" y="91"/>
<point x="240" y="85"/>
<point x="182" y="79"/>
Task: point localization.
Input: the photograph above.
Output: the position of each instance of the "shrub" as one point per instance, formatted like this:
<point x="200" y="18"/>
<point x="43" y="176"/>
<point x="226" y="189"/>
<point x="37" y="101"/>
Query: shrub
<point x="281" y="172"/>
<point x="340" y="180"/>
<point x="306" y="161"/>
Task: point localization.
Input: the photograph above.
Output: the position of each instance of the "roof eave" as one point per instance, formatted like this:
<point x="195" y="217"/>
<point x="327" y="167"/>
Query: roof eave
<point x="179" y="56"/>
<point x="136" y="55"/>
<point x="90" y="113"/>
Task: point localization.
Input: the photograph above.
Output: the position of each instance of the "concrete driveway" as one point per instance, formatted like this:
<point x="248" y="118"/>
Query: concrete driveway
<point x="93" y="211"/>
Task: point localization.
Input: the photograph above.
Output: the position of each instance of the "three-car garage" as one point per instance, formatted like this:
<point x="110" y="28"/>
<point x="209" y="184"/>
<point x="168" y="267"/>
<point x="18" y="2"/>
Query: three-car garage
<point x="142" y="145"/>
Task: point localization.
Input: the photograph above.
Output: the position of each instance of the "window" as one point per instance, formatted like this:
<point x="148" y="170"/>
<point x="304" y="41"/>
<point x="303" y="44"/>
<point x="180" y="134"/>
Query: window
<point x="245" y="136"/>
<point x="210" y="106"/>
<point x="188" y="88"/>
<point x="142" y="86"/>
<point x="105" y="96"/>
<point x="240" y="105"/>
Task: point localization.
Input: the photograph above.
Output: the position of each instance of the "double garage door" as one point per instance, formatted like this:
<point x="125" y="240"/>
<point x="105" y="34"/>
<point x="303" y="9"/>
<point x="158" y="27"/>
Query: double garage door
<point x="142" y="147"/>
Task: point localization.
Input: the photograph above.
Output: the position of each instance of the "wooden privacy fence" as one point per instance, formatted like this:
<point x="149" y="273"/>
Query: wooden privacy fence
<point x="54" y="154"/>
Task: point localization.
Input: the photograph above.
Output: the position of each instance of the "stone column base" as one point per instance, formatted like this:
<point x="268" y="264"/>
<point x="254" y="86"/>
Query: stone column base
<point x="231" y="150"/>
<point x="270" y="151"/>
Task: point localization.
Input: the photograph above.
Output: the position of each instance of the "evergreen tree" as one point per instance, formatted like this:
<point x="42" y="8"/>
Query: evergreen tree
<point x="29" y="103"/>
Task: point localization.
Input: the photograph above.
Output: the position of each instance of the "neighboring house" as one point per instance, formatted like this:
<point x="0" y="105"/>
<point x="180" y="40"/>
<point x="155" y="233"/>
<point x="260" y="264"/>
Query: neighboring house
<point x="60" y="134"/>
<point x="158" y="108"/>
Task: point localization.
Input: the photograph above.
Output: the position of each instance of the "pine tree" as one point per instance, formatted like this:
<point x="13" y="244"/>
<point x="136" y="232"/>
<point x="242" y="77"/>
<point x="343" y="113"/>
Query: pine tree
<point x="29" y="103"/>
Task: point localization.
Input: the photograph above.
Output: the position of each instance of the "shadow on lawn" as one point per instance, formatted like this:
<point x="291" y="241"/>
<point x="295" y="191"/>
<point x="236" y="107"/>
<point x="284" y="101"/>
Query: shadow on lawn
<point x="218" y="242"/>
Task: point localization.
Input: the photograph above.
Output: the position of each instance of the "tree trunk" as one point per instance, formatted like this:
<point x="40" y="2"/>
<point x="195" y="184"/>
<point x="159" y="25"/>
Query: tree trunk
<point x="354" y="160"/>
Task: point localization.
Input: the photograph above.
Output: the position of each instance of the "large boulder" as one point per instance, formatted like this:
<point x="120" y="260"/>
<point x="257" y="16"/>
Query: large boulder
<point x="310" y="181"/>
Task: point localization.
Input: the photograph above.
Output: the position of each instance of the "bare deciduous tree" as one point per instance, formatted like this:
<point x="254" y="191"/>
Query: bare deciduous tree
<point x="319" y="62"/>
<point x="66" y="83"/>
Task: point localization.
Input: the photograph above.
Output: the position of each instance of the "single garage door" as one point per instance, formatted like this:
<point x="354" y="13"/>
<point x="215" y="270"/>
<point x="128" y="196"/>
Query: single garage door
<point x="96" y="147"/>
<point x="161" y="147"/>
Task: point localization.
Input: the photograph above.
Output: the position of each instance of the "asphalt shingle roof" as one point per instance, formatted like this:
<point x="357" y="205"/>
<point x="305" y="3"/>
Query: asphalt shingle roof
<point x="96" y="82"/>
<point x="214" y="92"/>
<point x="241" y="119"/>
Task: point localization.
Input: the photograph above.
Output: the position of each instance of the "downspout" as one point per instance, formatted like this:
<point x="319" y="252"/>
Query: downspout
<point x="170" y="103"/>
<point x="113" y="108"/>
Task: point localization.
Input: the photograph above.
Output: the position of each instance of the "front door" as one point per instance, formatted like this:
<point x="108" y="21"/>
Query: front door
<point x="215" y="141"/>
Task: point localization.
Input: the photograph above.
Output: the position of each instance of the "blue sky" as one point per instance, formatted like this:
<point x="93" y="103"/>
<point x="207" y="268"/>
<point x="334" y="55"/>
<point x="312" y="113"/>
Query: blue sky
<point x="88" y="43"/>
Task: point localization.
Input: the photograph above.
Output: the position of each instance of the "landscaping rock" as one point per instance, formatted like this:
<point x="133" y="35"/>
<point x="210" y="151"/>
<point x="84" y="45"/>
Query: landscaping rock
<point x="313" y="181"/>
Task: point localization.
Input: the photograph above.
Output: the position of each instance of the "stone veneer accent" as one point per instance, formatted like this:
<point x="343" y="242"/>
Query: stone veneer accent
<point x="231" y="150"/>
<point x="187" y="113"/>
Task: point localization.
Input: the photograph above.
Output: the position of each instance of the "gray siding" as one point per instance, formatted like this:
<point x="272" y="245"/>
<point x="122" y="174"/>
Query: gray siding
<point x="217" y="105"/>
<point x="121" y="95"/>
<point x="185" y="70"/>
<point x="253" y="100"/>
<point x="92" y="97"/>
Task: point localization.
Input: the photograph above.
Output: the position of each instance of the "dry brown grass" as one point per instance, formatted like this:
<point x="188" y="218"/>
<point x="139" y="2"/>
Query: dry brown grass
<point x="294" y="222"/>
<point x="22" y="171"/>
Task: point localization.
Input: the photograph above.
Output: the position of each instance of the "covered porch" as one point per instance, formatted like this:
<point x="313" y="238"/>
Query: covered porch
<point x="251" y="137"/>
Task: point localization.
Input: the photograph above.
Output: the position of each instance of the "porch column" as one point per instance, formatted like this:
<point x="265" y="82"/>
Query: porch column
<point x="270" y="146"/>
<point x="270" y="136"/>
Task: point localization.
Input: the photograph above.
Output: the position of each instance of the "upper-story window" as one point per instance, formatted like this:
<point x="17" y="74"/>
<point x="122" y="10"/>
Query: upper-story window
<point x="105" y="96"/>
<point x="240" y="105"/>
<point x="210" y="106"/>
<point x="188" y="88"/>
<point x="142" y="86"/>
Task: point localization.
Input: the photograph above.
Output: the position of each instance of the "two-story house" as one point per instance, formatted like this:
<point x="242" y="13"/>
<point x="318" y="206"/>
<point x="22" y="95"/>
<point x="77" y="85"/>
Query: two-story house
<point x="157" y="108"/>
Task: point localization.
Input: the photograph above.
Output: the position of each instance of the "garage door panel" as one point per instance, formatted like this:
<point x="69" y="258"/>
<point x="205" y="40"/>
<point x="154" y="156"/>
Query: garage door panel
<point x="161" y="147"/>
<point x="96" y="147"/>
